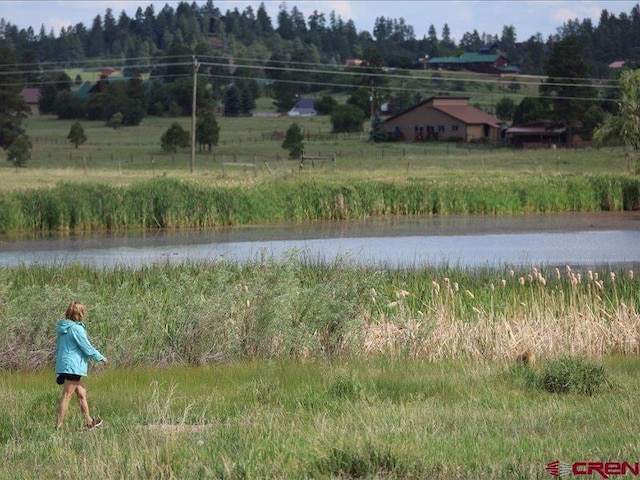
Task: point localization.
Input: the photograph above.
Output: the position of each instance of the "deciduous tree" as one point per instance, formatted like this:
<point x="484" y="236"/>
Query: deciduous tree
<point x="76" y="135"/>
<point x="293" y="141"/>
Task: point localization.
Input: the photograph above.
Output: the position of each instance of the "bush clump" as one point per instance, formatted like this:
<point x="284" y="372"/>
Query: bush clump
<point x="573" y="375"/>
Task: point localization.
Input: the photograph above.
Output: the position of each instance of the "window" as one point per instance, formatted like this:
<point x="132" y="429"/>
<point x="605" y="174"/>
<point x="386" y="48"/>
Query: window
<point x="454" y="127"/>
<point x="441" y="128"/>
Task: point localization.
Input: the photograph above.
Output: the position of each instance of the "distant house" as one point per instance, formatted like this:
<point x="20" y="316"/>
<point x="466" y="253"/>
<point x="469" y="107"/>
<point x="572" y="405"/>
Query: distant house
<point x="31" y="97"/>
<point x="304" y="108"/>
<point x="492" y="63"/>
<point x="352" y="62"/>
<point x="617" y="64"/>
<point x="536" y="135"/>
<point x="441" y="118"/>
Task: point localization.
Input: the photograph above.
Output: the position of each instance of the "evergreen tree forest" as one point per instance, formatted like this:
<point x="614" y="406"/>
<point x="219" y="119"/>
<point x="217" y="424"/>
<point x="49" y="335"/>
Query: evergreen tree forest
<point x="245" y="53"/>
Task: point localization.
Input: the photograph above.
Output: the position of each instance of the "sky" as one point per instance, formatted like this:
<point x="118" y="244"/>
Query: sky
<point x="529" y="17"/>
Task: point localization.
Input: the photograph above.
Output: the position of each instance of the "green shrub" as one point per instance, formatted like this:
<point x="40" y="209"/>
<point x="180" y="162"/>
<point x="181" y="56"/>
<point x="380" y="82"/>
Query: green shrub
<point x="573" y="375"/>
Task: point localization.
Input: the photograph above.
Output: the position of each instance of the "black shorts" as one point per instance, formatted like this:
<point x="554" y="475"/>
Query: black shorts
<point x="67" y="376"/>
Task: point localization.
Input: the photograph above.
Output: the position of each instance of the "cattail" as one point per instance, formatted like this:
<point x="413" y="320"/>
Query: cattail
<point x="468" y="292"/>
<point x="521" y="280"/>
<point x="630" y="274"/>
<point x="392" y="304"/>
<point x="402" y="294"/>
<point x="558" y="273"/>
<point x="504" y="283"/>
<point x="436" y="286"/>
<point x="492" y="287"/>
<point x="512" y="273"/>
<point x="612" y="276"/>
<point x="456" y="287"/>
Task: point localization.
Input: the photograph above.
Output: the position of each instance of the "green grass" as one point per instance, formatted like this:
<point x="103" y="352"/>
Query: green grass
<point x="168" y="203"/>
<point x="346" y="419"/>
<point x="132" y="154"/>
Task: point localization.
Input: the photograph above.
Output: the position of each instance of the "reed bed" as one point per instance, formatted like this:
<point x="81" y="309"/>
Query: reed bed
<point x="169" y="203"/>
<point x="196" y="314"/>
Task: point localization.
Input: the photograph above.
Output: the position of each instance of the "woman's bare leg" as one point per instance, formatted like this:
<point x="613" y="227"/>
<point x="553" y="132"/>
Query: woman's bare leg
<point x="67" y="392"/>
<point x="81" y="392"/>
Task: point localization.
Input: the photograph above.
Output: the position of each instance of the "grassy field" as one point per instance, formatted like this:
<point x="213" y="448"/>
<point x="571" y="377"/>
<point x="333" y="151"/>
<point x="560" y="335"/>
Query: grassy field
<point x="132" y="154"/>
<point x="296" y="370"/>
<point x="122" y="180"/>
<point x="382" y="418"/>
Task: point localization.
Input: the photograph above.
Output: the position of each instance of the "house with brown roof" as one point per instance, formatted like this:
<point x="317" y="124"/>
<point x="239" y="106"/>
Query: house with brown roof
<point x="442" y="118"/>
<point x="31" y="97"/>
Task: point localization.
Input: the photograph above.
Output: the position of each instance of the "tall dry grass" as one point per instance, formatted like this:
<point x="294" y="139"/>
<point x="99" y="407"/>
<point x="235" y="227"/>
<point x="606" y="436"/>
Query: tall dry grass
<point x="199" y="313"/>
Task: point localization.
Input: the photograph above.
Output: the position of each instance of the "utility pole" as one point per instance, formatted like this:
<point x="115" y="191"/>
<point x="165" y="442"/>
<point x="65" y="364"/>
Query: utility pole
<point x="196" y="65"/>
<point x="372" y="99"/>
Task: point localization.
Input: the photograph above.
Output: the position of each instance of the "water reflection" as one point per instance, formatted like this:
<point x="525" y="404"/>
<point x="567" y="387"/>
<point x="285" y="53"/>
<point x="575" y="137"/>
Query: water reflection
<point x="466" y="241"/>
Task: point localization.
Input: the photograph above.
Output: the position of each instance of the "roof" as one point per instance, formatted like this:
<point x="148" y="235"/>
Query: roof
<point x="617" y="64"/>
<point x="417" y="105"/>
<point x="470" y="115"/>
<point x="534" y="130"/>
<point x="31" y="95"/>
<point x="465" y="113"/>
<point x="479" y="57"/>
<point x="304" y="107"/>
<point x="468" y="58"/>
<point x="82" y="92"/>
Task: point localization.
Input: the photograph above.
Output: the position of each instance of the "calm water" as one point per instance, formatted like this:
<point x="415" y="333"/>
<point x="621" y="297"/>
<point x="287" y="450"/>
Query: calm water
<point x="466" y="241"/>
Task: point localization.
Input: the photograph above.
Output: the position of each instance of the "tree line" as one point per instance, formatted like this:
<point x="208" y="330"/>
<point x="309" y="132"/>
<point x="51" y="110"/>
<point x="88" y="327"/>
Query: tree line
<point x="322" y="38"/>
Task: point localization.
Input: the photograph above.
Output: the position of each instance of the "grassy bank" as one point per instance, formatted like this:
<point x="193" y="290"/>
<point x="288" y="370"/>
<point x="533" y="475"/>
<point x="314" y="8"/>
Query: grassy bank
<point x="198" y="313"/>
<point x="380" y="419"/>
<point x="168" y="203"/>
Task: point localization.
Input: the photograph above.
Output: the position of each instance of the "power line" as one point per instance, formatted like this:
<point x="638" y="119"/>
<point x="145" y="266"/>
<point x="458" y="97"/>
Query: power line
<point x="319" y="70"/>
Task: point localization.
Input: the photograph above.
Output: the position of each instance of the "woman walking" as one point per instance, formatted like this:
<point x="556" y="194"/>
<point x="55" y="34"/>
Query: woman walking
<point x="73" y="351"/>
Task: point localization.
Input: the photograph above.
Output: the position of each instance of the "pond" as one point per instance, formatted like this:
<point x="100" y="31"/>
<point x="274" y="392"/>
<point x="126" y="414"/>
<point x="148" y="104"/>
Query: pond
<point x="457" y="241"/>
